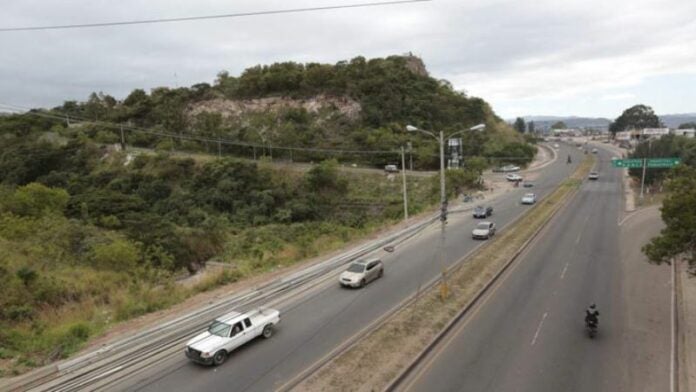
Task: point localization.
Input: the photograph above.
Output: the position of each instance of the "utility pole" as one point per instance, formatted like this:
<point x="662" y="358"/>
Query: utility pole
<point x="410" y="156"/>
<point x="645" y="165"/>
<point x="123" y="139"/>
<point x="403" y="177"/>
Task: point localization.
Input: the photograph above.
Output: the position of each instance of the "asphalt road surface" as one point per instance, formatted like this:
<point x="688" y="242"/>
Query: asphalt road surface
<point x="318" y="321"/>
<point x="528" y="333"/>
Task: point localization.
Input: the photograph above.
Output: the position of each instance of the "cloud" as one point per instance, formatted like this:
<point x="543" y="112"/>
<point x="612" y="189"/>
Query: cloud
<point x="618" y="97"/>
<point x="514" y="53"/>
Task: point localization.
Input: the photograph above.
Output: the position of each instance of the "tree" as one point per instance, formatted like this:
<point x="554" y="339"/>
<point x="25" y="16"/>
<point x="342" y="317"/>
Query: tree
<point x="559" y="125"/>
<point x="688" y="125"/>
<point x="36" y="200"/>
<point x="531" y="128"/>
<point x="678" y="238"/>
<point x="635" y="117"/>
<point x="520" y="125"/>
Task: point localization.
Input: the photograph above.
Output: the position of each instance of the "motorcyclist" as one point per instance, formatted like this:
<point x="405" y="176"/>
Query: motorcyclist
<point x="569" y="158"/>
<point x="592" y="316"/>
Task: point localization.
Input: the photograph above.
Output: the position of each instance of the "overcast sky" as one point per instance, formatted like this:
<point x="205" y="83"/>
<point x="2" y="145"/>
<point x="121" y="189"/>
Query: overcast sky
<point x="551" y="57"/>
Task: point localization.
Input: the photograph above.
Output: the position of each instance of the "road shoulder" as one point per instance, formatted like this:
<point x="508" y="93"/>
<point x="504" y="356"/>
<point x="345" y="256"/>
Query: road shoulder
<point x="687" y="329"/>
<point x="647" y="294"/>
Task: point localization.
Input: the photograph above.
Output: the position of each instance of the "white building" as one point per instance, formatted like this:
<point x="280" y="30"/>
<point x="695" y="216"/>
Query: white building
<point x="685" y="132"/>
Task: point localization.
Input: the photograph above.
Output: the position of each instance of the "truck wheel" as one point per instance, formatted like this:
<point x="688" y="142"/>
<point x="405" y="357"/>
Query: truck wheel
<point x="268" y="331"/>
<point x="219" y="358"/>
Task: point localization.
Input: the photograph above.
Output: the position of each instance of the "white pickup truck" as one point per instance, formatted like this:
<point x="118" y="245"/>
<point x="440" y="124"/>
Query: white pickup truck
<point x="230" y="331"/>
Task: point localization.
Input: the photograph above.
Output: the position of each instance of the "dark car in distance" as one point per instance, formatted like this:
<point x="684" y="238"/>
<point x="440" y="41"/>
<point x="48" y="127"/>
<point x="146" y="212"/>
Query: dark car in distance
<point x="483" y="212"/>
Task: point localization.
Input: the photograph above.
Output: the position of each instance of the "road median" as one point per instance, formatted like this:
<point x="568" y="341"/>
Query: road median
<point x="387" y="352"/>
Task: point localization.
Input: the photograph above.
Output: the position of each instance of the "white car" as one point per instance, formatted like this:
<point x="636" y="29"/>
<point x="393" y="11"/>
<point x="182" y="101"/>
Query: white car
<point x="229" y="332"/>
<point x="529" y="198"/>
<point x="593" y="176"/>
<point x="513" y="177"/>
<point x="483" y="231"/>
<point x="361" y="272"/>
<point x="509" y="168"/>
<point x="556" y="145"/>
<point x="594" y="150"/>
<point x="391" y="168"/>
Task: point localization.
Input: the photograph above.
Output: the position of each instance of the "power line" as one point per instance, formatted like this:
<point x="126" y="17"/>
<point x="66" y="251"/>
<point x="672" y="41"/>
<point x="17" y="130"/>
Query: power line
<point x="14" y="109"/>
<point x="205" y="17"/>
<point x="63" y="116"/>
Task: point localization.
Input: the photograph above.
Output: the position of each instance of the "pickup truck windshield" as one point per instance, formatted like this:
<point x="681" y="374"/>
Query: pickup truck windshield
<point x="219" y="329"/>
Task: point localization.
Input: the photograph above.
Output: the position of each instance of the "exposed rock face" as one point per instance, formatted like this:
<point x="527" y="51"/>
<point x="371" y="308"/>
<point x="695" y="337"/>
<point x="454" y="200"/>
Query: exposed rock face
<point x="235" y="108"/>
<point x="415" y="64"/>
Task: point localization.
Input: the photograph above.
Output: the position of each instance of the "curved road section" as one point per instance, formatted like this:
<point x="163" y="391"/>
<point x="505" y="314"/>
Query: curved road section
<point x="317" y="321"/>
<point x="528" y="333"/>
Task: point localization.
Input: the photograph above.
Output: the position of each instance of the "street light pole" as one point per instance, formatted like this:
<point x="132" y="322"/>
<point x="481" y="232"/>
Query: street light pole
<point x="444" y="288"/>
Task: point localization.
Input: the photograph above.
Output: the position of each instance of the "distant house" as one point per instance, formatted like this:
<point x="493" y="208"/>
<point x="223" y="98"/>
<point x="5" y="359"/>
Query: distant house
<point x="684" y="132"/>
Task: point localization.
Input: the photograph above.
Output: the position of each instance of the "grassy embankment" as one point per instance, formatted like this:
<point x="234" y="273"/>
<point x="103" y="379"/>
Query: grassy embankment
<point x="78" y="300"/>
<point x="376" y="359"/>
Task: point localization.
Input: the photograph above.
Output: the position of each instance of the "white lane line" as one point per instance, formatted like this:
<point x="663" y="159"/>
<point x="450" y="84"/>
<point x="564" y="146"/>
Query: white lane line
<point x="672" y="365"/>
<point x="536" y="335"/>
<point x="565" y="269"/>
<point x="577" y="240"/>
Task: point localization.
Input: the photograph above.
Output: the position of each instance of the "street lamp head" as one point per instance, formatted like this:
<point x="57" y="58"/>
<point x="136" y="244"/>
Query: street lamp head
<point x="479" y="127"/>
<point x="411" y="128"/>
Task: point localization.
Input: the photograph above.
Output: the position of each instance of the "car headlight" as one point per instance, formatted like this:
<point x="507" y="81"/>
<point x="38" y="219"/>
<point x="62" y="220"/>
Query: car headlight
<point x="205" y="355"/>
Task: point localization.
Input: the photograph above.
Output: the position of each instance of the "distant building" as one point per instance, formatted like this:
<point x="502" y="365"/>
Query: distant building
<point x="566" y="132"/>
<point x="651" y="132"/>
<point x="690" y="133"/>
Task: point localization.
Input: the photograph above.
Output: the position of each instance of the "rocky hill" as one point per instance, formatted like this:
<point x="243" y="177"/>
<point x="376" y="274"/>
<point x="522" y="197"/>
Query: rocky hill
<point x="358" y="104"/>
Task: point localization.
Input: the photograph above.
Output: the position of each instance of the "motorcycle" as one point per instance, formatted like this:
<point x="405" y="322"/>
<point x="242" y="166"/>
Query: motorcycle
<point x="591" y="328"/>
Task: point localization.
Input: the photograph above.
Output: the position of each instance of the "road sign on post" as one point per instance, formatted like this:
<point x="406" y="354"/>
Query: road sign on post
<point x="663" y="162"/>
<point x="645" y="163"/>
<point x="651" y="162"/>
<point x="627" y="163"/>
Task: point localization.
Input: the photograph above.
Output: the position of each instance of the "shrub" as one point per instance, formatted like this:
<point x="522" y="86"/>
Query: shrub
<point x="118" y="254"/>
<point x="27" y="275"/>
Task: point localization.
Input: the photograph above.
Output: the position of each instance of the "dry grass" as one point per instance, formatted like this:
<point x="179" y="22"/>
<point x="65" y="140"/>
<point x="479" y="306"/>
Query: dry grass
<point x="379" y="357"/>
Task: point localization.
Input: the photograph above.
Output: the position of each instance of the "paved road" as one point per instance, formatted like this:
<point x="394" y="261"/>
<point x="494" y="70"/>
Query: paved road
<point x="319" y="321"/>
<point x="528" y="333"/>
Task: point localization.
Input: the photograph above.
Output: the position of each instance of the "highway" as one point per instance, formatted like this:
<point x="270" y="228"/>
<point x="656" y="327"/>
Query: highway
<point x="317" y="321"/>
<point x="527" y="334"/>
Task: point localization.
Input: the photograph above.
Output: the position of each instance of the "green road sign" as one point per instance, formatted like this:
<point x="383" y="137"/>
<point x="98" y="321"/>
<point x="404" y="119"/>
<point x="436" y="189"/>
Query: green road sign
<point x="629" y="163"/>
<point x="652" y="162"/>
<point x="663" y="162"/>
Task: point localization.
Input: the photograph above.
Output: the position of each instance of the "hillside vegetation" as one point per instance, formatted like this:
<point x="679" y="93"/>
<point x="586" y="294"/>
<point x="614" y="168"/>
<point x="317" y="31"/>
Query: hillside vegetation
<point x="91" y="235"/>
<point x="359" y="105"/>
